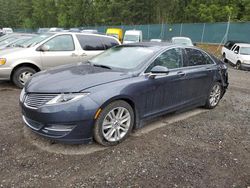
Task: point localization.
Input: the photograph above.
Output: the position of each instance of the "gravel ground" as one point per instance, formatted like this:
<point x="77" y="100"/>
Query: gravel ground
<point x="211" y="149"/>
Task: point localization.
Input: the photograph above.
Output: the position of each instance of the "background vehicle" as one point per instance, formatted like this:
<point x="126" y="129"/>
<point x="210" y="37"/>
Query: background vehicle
<point x="7" y="30"/>
<point x="55" y="29"/>
<point x="182" y="40"/>
<point x="120" y="88"/>
<point x="132" y="36"/>
<point x="15" y="41"/>
<point x="115" y="32"/>
<point x="155" y="40"/>
<point x="42" y="30"/>
<point x="50" y="50"/>
<point x="90" y="31"/>
<point x="237" y="53"/>
<point x="74" y="30"/>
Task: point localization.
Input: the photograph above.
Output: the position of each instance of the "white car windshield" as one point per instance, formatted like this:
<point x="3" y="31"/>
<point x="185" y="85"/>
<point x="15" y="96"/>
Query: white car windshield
<point x="125" y="58"/>
<point x="245" y="51"/>
<point x="32" y="42"/>
<point x="131" y="38"/>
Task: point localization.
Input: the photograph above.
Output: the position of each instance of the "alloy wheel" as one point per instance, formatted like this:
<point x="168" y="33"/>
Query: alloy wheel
<point x="116" y="124"/>
<point x="215" y="95"/>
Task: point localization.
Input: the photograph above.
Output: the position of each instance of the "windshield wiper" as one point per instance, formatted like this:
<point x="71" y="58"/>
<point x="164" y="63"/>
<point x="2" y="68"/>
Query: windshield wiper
<point x="102" y="66"/>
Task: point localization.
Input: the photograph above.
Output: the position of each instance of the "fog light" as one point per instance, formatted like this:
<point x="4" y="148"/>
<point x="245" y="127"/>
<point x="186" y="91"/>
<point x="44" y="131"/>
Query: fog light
<point x="60" y="128"/>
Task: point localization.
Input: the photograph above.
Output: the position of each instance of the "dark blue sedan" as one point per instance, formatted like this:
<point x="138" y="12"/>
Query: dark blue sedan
<point x="108" y="96"/>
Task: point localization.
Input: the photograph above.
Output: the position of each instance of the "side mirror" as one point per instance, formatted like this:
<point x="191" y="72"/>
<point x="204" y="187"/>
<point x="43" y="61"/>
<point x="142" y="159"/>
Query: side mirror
<point x="44" y="48"/>
<point x="236" y="52"/>
<point x="158" y="71"/>
<point x="195" y="44"/>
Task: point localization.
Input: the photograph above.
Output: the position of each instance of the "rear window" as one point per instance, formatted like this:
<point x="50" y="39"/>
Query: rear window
<point x="109" y="42"/>
<point x="90" y="43"/>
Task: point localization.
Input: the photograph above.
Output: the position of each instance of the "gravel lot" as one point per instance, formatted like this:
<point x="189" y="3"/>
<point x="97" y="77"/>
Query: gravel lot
<point x="209" y="149"/>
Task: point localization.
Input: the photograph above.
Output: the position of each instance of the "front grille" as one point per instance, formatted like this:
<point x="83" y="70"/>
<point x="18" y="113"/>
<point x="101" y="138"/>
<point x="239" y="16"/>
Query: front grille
<point x="38" y="100"/>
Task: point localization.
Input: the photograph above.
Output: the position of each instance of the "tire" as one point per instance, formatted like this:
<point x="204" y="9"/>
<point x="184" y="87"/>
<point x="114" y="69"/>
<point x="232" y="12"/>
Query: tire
<point x="238" y="65"/>
<point x="224" y="58"/>
<point x="21" y="76"/>
<point x="108" y="135"/>
<point x="215" y="92"/>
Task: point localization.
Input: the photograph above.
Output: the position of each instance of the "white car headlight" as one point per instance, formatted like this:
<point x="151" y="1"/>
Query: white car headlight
<point x="63" y="98"/>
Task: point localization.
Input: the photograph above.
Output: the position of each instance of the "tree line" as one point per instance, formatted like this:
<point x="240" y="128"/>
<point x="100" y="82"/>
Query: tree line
<point x="77" y="13"/>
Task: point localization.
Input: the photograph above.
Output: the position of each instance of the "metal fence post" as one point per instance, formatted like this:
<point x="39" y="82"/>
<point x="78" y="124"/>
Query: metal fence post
<point x="181" y="29"/>
<point x="203" y="31"/>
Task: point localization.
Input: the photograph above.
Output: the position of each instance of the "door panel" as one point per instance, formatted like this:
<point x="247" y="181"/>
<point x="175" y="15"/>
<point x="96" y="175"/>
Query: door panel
<point x="60" y="51"/>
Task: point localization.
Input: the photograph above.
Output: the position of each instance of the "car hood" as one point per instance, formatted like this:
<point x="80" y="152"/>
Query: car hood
<point x="7" y="51"/>
<point x="73" y="78"/>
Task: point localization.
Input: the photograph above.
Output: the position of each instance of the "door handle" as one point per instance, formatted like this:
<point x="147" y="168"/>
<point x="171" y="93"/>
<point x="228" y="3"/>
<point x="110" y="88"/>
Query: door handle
<point x="181" y="74"/>
<point x="84" y="55"/>
<point x="209" y="69"/>
<point x="74" y="55"/>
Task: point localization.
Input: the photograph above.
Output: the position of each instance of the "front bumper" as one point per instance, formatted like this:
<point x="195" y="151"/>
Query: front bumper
<point x="69" y="123"/>
<point x="245" y="66"/>
<point x="5" y="73"/>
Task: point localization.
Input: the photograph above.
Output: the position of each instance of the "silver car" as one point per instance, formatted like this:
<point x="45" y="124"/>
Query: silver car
<point x="49" y="50"/>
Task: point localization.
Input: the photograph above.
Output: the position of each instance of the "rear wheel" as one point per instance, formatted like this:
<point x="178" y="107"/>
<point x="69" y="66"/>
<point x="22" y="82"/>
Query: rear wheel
<point x="114" y="124"/>
<point x="214" y="96"/>
<point x="21" y="76"/>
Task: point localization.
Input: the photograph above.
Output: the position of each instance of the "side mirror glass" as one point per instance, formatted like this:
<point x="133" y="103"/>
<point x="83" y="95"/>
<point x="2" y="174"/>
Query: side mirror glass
<point x="44" y="48"/>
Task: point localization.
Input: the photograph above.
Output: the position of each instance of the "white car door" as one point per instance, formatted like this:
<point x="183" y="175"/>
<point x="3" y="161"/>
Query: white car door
<point x="230" y="53"/>
<point x="59" y="50"/>
<point x="235" y="55"/>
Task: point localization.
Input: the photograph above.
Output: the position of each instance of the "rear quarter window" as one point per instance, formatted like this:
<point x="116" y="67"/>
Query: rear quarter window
<point x="109" y="42"/>
<point x="90" y="42"/>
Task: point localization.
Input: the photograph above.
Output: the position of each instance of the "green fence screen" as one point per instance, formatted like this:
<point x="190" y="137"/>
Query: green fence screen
<point x="198" y="32"/>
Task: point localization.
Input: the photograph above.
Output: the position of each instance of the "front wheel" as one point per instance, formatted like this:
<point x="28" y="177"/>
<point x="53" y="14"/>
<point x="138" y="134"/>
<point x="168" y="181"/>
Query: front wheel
<point x="114" y="123"/>
<point x="21" y="76"/>
<point x="238" y="65"/>
<point x="214" y="96"/>
<point x="224" y="58"/>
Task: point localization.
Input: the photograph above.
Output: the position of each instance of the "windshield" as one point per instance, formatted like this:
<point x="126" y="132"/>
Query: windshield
<point x="186" y="42"/>
<point x="245" y="51"/>
<point x="7" y="41"/>
<point x="125" y="58"/>
<point x="131" y="38"/>
<point x="35" y="40"/>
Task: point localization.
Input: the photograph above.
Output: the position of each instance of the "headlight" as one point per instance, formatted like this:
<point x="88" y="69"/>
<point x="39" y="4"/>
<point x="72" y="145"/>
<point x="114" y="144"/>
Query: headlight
<point x="22" y="95"/>
<point x="2" y="61"/>
<point x="63" y="98"/>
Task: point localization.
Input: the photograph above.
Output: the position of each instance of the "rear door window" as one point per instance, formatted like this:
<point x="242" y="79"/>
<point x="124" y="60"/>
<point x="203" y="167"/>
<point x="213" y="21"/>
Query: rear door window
<point x="109" y="42"/>
<point x="194" y="58"/>
<point x="90" y="42"/>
